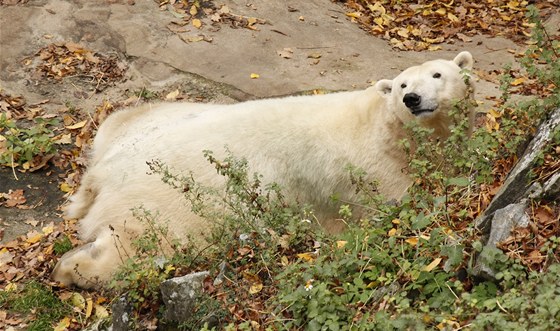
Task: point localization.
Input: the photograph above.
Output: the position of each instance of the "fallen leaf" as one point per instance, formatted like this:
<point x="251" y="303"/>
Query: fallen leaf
<point x="33" y="237"/>
<point x="48" y="229"/>
<point x="518" y="81"/>
<point x="13" y="198"/>
<point x="354" y="14"/>
<point x="341" y="243"/>
<point x="100" y="311"/>
<point x="432" y="265"/>
<point x="63" y="324"/>
<point x="392" y="232"/>
<point x="63" y="139"/>
<point x="286" y="53"/>
<point x="78" y="301"/>
<point x="5" y="256"/>
<point x="197" y="23"/>
<point x="255" y="288"/>
<point x="172" y="95"/>
<point x="309" y="257"/>
<point x="64" y="187"/>
<point x="89" y="307"/>
<point x="255" y="76"/>
<point x="412" y="241"/>
<point x="77" y="125"/>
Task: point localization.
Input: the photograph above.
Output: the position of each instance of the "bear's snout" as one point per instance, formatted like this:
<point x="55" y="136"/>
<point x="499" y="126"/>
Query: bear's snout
<point x="412" y="100"/>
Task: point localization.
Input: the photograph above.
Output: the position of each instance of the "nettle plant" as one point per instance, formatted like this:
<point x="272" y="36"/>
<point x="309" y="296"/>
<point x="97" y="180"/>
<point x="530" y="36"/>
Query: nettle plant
<point x="19" y="146"/>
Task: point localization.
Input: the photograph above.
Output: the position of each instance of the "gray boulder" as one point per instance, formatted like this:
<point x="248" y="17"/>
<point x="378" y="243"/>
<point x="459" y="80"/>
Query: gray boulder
<point x="507" y="209"/>
<point x="180" y="296"/>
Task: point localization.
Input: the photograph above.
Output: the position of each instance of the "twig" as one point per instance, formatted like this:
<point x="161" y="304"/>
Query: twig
<point x="13" y="167"/>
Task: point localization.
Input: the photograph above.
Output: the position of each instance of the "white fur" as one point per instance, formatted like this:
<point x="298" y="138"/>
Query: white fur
<point x="303" y="143"/>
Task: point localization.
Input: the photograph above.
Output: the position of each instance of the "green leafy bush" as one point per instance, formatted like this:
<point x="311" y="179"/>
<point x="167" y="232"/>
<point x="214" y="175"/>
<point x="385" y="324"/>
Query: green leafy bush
<point x="21" y="145"/>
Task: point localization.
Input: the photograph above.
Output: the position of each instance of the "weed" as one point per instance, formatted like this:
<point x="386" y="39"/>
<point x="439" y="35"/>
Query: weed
<point x="35" y="298"/>
<point x="146" y="94"/>
<point x="62" y="245"/>
<point x="21" y="146"/>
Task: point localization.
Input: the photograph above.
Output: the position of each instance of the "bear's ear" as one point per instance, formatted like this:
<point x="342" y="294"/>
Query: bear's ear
<point x="464" y="60"/>
<point x="384" y="86"/>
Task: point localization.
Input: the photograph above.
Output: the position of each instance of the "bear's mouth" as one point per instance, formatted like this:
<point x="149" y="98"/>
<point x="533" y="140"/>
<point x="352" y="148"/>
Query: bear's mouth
<point x="421" y="111"/>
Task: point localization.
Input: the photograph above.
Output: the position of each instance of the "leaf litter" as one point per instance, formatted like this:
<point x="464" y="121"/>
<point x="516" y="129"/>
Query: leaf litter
<point x="193" y="16"/>
<point x="422" y="25"/>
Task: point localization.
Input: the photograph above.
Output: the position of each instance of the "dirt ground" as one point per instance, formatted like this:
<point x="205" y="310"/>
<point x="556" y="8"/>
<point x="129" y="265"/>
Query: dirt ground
<point x="292" y="47"/>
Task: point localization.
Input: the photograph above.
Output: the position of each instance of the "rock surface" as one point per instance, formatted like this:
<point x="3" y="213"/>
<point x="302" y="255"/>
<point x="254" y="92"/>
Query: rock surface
<point x="518" y="184"/>
<point x="179" y="296"/>
<point x="507" y="209"/>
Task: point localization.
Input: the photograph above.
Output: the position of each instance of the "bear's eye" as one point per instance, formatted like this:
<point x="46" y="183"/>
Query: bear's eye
<point x="403" y="85"/>
<point x="437" y="75"/>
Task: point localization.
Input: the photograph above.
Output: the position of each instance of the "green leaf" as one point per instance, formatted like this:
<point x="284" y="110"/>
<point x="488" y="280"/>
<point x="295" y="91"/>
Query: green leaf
<point x="459" y="181"/>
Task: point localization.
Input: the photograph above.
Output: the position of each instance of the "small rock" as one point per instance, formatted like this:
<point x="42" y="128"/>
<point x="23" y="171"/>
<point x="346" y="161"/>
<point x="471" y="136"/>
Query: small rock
<point x="122" y="315"/>
<point x="180" y="294"/>
<point x="503" y="221"/>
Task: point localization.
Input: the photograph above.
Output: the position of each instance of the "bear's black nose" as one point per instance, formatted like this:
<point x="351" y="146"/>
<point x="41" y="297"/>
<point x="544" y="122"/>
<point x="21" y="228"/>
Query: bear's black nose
<point x="412" y="100"/>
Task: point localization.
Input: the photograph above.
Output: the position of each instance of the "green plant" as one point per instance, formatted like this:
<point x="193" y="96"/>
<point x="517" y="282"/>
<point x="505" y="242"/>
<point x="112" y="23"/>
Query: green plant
<point x="35" y="298"/>
<point x="62" y="245"/>
<point x="22" y="145"/>
<point x="146" y="94"/>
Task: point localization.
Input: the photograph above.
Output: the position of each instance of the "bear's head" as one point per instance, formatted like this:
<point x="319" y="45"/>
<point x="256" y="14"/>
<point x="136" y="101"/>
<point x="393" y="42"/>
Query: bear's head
<point x="427" y="92"/>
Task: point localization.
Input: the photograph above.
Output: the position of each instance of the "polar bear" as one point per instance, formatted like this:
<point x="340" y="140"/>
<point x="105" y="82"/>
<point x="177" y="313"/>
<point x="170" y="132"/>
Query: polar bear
<point x="302" y="143"/>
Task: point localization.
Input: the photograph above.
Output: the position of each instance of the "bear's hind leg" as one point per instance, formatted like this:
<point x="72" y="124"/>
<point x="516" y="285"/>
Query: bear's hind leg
<point x="82" y="200"/>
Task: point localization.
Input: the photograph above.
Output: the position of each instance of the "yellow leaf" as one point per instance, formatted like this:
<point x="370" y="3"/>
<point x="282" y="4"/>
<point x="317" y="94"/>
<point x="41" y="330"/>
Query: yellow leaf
<point x="78" y="301"/>
<point x="452" y="18"/>
<point x="432" y="265"/>
<point x="392" y="232"/>
<point x="63" y="139"/>
<point x="33" y="237"/>
<point x="284" y="260"/>
<point x="412" y="241"/>
<point x="377" y="7"/>
<point x="172" y="95"/>
<point x="518" y="81"/>
<point x="251" y="21"/>
<point x="306" y="256"/>
<point x="425" y="237"/>
<point x="63" y="324"/>
<point x="341" y="243"/>
<point x="196" y="23"/>
<point x="396" y="221"/>
<point x="354" y="14"/>
<point x="100" y="311"/>
<point x="77" y="125"/>
<point x="89" y="307"/>
<point x="255" y="288"/>
<point x="64" y="187"/>
<point x="48" y="229"/>
<point x="255" y="76"/>
<point x="441" y="11"/>
<point x="494" y="113"/>
<point x="10" y="287"/>
<point x="379" y="21"/>
<point x="193" y="10"/>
